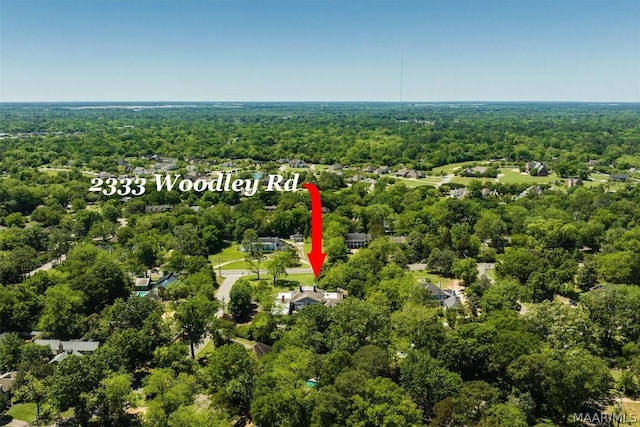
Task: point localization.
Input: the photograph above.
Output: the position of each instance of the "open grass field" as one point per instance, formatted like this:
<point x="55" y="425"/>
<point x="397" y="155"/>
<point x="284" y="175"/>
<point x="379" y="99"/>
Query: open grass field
<point x="452" y="167"/>
<point x="632" y="411"/>
<point x="236" y="265"/>
<point x="230" y="253"/>
<point x="433" y="278"/>
<point x="305" y="279"/>
<point x="208" y="349"/>
<point x="412" y="183"/>
<point x="23" y="411"/>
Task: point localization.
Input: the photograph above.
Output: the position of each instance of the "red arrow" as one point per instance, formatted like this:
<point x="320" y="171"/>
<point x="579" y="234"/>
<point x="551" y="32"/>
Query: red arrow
<point x="316" y="256"/>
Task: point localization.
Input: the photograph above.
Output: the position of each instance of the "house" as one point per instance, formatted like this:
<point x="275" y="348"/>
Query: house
<point x="6" y="383"/>
<point x="381" y="170"/>
<point x="336" y="168"/>
<point x="289" y="302"/>
<point x="536" y="168"/>
<point x="139" y="171"/>
<point x="165" y="166"/>
<point x="157" y="208"/>
<point x="270" y="208"/>
<point x="486" y="193"/>
<point x="297" y="237"/>
<point x="413" y="173"/>
<point x="267" y="244"/>
<point x="475" y="171"/>
<point x="142" y="284"/>
<point x="531" y="190"/>
<point x="356" y="178"/>
<point x="228" y="165"/>
<point x="458" y="193"/>
<point x="282" y="161"/>
<point x="409" y="173"/>
<point x="298" y="164"/>
<point x="618" y="178"/>
<point x="399" y="240"/>
<point x="104" y="175"/>
<point x="63" y="349"/>
<point x="166" y="280"/>
<point x="357" y="240"/>
<point x="573" y="182"/>
<point x="447" y="298"/>
<point x="260" y="349"/>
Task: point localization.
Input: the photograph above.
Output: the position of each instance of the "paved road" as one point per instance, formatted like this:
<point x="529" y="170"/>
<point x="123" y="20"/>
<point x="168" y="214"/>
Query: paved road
<point x="483" y="267"/>
<point x="49" y="265"/>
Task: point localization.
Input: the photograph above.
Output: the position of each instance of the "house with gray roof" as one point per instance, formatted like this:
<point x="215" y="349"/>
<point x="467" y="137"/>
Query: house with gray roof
<point x="357" y="240"/>
<point x="447" y="298"/>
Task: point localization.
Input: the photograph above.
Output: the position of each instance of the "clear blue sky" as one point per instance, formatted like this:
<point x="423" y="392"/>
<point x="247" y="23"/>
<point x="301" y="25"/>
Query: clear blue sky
<point x="319" y="50"/>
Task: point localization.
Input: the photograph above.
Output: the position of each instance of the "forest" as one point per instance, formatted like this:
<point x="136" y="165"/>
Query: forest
<point x="545" y="330"/>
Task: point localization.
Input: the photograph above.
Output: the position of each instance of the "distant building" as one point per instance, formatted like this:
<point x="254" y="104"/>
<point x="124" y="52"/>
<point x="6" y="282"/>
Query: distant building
<point x="537" y="168"/>
<point x="381" y="170"/>
<point x="166" y="280"/>
<point x="458" y="193"/>
<point x="336" y="168"/>
<point x="618" y="177"/>
<point x="475" y="171"/>
<point x="531" y="190"/>
<point x="409" y="173"/>
<point x="487" y="192"/>
<point x="63" y="349"/>
<point x="260" y="349"/>
<point x="297" y="237"/>
<point x="267" y="244"/>
<point x="447" y="298"/>
<point x="157" y="208"/>
<point x="357" y="240"/>
<point x="398" y="239"/>
<point x="573" y="182"/>
<point x="142" y="284"/>
<point x="289" y="302"/>
<point x="298" y="164"/>
<point x="7" y="380"/>
<point x="356" y="178"/>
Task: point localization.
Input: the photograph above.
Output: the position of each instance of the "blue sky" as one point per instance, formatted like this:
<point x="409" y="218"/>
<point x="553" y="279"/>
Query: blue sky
<point x="319" y="50"/>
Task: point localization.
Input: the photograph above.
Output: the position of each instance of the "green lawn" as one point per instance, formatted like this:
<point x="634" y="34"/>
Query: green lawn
<point x="23" y="411"/>
<point x="237" y="265"/>
<point x="412" y="183"/>
<point x="230" y="253"/>
<point x="433" y="278"/>
<point x="630" y="408"/>
<point x="206" y="350"/>
<point x="305" y="279"/>
<point x="511" y="177"/>
<point x="452" y="167"/>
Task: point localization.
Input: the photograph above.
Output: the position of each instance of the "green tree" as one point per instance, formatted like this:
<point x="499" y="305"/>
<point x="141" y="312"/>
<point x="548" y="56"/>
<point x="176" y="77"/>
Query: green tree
<point x="278" y="263"/>
<point x="194" y="315"/>
<point x="427" y="381"/>
<point x="240" y="298"/>
<point x="230" y="376"/>
<point x="561" y="381"/>
<point x="32" y="390"/>
<point x="384" y="404"/>
<point x="466" y="269"/>
<point x="61" y="313"/>
<point x="441" y="261"/>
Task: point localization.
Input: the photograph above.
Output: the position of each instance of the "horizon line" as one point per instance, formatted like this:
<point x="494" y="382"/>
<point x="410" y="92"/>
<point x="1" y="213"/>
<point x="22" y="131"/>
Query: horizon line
<point x="323" y="102"/>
